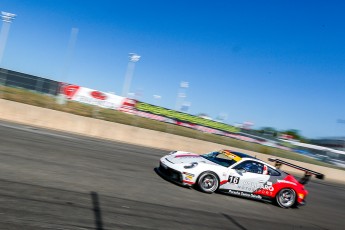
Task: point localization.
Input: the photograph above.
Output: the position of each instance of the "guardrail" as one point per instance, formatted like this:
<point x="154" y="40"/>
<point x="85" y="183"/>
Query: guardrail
<point x="30" y="82"/>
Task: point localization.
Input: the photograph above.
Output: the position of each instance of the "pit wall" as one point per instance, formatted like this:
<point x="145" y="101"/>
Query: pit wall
<point x="51" y="119"/>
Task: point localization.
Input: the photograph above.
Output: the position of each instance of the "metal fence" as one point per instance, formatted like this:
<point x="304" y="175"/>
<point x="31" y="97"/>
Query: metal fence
<point x="30" y="82"/>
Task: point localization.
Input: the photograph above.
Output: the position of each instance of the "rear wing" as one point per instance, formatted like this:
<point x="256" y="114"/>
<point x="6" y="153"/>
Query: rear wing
<point x="308" y="172"/>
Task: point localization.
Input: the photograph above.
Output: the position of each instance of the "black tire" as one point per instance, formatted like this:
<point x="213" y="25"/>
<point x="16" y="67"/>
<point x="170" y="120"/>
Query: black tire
<point x="208" y="182"/>
<point x="286" y="198"/>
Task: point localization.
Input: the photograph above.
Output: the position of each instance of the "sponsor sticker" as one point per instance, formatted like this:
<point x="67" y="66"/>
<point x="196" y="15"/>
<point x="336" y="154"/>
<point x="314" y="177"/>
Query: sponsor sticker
<point x="252" y="186"/>
<point x="285" y="181"/>
<point x="231" y="155"/>
<point x="189" y="177"/>
<point x="245" y="194"/>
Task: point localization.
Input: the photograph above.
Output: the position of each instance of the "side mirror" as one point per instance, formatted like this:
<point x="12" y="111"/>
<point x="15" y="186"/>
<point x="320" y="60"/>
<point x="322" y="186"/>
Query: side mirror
<point x="241" y="170"/>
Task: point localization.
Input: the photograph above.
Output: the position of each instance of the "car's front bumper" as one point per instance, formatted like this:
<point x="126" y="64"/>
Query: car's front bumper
<point x="181" y="178"/>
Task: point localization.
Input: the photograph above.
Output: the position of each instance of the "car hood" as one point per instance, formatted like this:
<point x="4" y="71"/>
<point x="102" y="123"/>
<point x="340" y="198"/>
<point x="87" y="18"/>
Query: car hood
<point x="186" y="158"/>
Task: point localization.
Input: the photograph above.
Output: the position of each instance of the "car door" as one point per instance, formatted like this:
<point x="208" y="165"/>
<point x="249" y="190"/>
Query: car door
<point x="246" y="177"/>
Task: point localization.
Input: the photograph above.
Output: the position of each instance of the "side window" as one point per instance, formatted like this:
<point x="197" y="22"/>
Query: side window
<point x="251" y="166"/>
<point x="273" y="172"/>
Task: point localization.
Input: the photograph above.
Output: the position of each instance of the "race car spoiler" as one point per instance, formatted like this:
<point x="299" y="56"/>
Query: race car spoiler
<point x="307" y="174"/>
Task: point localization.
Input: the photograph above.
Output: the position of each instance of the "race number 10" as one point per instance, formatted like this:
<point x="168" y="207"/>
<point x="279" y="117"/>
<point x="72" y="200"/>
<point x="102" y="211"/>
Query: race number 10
<point x="234" y="179"/>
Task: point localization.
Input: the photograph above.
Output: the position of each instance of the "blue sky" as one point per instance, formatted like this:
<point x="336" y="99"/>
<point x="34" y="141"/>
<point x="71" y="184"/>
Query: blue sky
<point x="274" y="63"/>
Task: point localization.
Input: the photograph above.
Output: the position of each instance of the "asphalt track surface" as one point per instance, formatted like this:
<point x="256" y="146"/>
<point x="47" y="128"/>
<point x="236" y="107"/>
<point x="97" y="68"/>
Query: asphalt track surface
<point x="53" y="180"/>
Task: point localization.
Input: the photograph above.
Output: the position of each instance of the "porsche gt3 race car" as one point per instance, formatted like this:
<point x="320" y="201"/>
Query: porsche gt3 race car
<point x="237" y="174"/>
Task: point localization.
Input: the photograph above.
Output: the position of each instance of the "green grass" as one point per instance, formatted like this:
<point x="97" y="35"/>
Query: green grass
<point x="47" y="101"/>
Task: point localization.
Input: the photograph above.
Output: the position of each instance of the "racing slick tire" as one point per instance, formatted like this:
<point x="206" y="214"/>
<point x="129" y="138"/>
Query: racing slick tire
<point x="286" y="198"/>
<point x="208" y="182"/>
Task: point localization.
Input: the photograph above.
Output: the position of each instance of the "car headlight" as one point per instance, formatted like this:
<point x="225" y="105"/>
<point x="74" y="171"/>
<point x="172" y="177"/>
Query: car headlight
<point x="191" y="165"/>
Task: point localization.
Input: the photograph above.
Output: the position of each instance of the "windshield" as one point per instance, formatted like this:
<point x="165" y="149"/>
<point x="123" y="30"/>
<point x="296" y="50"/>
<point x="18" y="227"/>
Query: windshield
<point x="219" y="158"/>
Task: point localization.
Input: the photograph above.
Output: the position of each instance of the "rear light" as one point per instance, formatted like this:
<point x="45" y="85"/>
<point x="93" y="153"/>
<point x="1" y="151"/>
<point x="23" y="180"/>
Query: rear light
<point x="301" y="196"/>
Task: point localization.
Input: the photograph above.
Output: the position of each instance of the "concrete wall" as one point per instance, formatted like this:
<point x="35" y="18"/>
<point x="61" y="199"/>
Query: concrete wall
<point x="51" y="119"/>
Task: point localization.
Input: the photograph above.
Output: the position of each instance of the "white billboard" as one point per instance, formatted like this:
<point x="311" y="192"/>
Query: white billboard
<point x="92" y="97"/>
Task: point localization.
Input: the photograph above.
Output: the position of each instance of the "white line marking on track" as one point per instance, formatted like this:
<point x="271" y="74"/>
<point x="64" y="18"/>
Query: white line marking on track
<point x="36" y="130"/>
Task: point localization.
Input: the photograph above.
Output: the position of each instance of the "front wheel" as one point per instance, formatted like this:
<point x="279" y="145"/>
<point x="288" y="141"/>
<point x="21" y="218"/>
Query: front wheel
<point x="208" y="182"/>
<point x="286" y="198"/>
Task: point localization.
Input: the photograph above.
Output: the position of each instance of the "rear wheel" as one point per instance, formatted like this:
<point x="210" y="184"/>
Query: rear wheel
<point x="286" y="198"/>
<point x="208" y="182"/>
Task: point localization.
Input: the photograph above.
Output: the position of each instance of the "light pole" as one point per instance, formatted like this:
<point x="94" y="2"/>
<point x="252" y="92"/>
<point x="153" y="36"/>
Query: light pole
<point x="181" y="94"/>
<point x="69" y="53"/>
<point x="157" y="97"/>
<point x="185" y="106"/>
<point x="6" y="18"/>
<point x="61" y="98"/>
<point x="133" y="58"/>
<point x="222" y="117"/>
<point x="342" y="121"/>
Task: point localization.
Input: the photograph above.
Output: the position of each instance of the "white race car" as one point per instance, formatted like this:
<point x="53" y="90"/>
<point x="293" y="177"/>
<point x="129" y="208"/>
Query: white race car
<point x="237" y="174"/>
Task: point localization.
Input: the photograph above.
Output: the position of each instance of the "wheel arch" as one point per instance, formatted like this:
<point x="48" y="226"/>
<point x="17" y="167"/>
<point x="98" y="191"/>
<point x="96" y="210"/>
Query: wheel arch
<point x="208" y="171"/>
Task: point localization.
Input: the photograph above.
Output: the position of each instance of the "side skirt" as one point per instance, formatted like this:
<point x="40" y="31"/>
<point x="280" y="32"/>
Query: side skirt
<point x="245" y="194"/>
